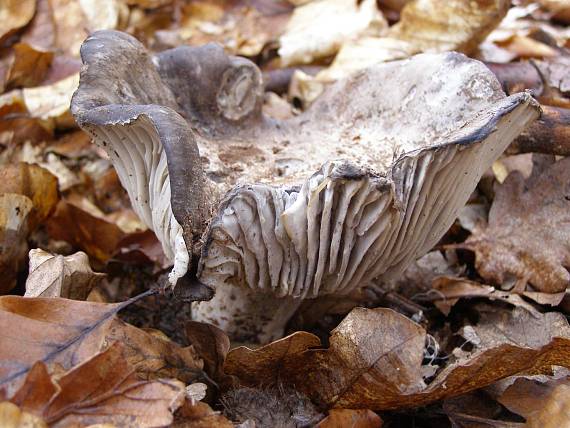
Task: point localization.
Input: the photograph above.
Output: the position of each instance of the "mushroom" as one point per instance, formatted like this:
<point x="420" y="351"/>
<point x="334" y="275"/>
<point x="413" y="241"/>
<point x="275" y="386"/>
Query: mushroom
<point x="268" y="213"/>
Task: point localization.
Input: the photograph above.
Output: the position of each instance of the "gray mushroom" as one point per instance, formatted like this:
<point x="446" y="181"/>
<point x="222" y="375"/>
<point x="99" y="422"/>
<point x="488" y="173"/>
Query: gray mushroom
<point x="268" y="213"/>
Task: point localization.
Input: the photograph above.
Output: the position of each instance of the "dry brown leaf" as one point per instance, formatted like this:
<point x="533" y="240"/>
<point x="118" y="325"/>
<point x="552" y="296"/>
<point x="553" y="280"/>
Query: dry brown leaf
<point x="448" y="290"/>
<point x="211" y="344"/>
<point x="50" y="103"/>
<point x="242" y="27"/>
<point x="425" y="25"/>
<point x="33" y="55"/>
<point x="148" y="4"/>
<point x="14" y="14"/>
<point x="54" y="275"/>
<point x="141" y="248"/>
<point x="14" y="212"/>
<point x="155" y="357"/>
<point x="199" y="415"/>
<point x="528" y="234"/>
<point x="526" y="47"/>
<point x="34" y="182"/>
<point x="340" y="418"/>
<point x="559" y="8"/>
<point x="103" y="389"/>
<point x="543" y="405"/>
<point x="375" y="356"/>
<point x="12" y="417"/>
<point x="448" y="25"/>
<point x="96" y="236"/>
<point x="262" y="366"/>
<point x="319" y="28"/>
<point x="70" y="26"/>
<point x="69" y="332"/>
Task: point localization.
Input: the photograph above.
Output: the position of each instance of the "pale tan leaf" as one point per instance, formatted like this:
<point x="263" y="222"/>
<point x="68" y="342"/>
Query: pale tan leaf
<point x="53" y="275"/>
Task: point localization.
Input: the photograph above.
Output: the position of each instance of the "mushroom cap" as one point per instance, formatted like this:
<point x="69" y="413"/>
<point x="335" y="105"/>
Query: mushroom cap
<point x="354" y="189"/>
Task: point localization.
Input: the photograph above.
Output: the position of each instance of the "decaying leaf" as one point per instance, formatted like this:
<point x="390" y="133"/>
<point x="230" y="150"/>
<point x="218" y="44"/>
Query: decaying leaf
<point x="543" y="405"/>
<point x="375" y="357"/>
<point x="97" y="236"/>
<point x="14" y="14"/>
<point x="54" y="275"/>
<point x="14" y="212"/>
<point x="35" y="182"/>
<point x="339" y="418"/>
<point x="559" y="8"/>
<point x="199" y="415"/>
<point x="522" y="211"/>
<point x="241" y="27"/>
<point x="69" y="332"/>
<point x="102" y="389"/>
<point x="11" y="416"/>
<point x="50" y="103"/>
<point x="34" y="53"/>
<point x="318" y="29"/>
<point x="211" y="344"/>
<point x="425" y="25"/>
<point x="446" y="292"/>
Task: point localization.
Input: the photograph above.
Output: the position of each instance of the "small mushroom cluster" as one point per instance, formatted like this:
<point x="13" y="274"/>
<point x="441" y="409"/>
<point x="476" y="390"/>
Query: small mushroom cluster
<point x="270" y="212"/>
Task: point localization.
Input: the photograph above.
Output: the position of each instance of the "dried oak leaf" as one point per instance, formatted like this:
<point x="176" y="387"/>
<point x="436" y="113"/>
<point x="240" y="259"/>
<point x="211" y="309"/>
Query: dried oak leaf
<point x="375" y="358"/>
<point x="199" y="415"/>
<point x="543" y="405"/>
<point x="447" y="291"/>
<point x="242" y="27"/>
<point x="34" y="53"/>
<point x="103" y="389"/>
<point x="36" y="183"/>
<point x="54" y="275"/>
<point x="319" y="28"/>
<point x="14" y="212"/>
<point x="425" y="25"/>
<point x="15" y="14"/>
<point x="50" y="103"/>
<point x="211" y="344"/>
<point x="528" y="235"/>
<point x="95" y="235"/>
<point x="339" y="418"/>
<point x="69" y="332"/>
<point x="11" y="416"/>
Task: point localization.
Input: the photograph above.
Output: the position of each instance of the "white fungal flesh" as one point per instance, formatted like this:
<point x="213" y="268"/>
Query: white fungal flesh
<point x="140" y="161"/>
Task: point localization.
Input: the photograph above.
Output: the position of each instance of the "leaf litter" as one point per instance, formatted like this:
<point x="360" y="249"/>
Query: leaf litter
<point x="476" y="332"/>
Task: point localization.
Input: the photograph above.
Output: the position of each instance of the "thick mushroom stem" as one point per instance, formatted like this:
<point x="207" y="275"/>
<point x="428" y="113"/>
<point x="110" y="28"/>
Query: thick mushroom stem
<point x="247" y="316"/>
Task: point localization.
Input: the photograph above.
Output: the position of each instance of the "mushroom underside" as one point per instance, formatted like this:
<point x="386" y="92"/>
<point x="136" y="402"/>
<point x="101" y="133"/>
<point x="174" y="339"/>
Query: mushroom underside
<point x="352" y="190"/>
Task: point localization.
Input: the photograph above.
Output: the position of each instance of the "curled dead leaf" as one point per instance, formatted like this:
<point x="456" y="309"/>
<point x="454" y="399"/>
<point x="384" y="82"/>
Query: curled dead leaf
<point x="50" y="103"/>
<point x="54" y="275"/>
<point x="339" y="418"/>
<point x="14" y="14"/>
<point x="522" y="211"/>
<point x="35" y="182"/>
<point x="96" y="236"/>
<point x="14" y="212"/>
<point x="199" y="415"/>
<point x="69" y="332"/>
<point x="318" y="29"/>
<point x="103" y="389"/>
<point x="375" y="360"/>
<point x="543" y="405"/>
<point x="11" y="416"/>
